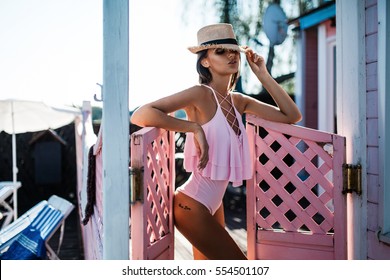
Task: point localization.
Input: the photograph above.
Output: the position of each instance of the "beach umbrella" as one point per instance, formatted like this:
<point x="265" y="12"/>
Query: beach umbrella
<point x="20" y="116"/>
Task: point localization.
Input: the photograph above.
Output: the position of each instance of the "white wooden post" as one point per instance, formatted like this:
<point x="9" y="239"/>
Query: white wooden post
<point x="115" y="129"/>
<point x="14" y="165"/>
<point x="351" y="112"/>
<point x="324" y="110"/>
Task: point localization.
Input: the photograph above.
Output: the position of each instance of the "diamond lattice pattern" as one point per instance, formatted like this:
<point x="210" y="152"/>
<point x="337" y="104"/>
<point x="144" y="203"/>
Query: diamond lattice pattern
<point x="294" y="179"/>
<point x="156" y="176"/>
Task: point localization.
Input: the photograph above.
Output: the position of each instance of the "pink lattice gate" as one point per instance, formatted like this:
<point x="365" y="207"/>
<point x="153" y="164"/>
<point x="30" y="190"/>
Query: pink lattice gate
<point x="295" y="205"/>
<point x="152" y="187"/>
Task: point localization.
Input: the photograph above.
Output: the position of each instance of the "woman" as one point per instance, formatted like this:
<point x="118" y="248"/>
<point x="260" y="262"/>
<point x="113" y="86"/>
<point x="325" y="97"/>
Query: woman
<point x="216" y="149"/>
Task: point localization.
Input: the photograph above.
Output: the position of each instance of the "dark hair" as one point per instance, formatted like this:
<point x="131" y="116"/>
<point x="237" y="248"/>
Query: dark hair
<point x="205" y="76"/>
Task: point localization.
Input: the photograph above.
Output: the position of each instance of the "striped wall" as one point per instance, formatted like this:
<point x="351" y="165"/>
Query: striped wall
<point x="375" y="249"/>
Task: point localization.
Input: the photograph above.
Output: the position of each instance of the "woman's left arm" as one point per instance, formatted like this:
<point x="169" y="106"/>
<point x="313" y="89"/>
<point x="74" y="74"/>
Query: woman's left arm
<point x="286" y="110"/>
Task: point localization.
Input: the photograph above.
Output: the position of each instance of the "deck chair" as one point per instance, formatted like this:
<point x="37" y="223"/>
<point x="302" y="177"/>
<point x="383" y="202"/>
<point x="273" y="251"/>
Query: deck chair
<point x="28" y="237"/>
<point x="7" y="195"/>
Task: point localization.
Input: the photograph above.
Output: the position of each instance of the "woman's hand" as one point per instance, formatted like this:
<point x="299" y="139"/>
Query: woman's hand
<point x="256" y="62"/>
<point x="202" y="147"/>
<point x="286" y="110"/>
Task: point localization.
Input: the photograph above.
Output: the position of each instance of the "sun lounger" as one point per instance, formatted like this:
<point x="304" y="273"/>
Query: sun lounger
<point x="28" y="237"/>
<point x="8" y="189"/>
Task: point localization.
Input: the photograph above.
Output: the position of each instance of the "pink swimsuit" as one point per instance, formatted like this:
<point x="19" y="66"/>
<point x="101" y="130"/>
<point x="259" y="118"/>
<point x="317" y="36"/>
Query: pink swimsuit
<point x="229" y="160"/>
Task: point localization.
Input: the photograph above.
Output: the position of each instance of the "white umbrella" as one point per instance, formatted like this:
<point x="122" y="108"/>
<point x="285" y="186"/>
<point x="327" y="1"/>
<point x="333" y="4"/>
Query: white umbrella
<point x="20" y="116"/>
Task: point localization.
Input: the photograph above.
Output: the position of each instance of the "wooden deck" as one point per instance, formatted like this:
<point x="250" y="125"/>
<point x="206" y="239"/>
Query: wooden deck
<point x="235" y="215"/>
<point x="72" y="246"/>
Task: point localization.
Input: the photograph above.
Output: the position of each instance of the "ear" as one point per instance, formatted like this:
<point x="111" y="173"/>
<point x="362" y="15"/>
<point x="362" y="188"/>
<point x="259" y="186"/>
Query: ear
<point x="205" y="63"/>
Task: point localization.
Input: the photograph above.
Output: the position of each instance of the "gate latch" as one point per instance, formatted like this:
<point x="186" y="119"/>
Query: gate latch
<point x="352" y="178"/>
<point x="136" y="184"/>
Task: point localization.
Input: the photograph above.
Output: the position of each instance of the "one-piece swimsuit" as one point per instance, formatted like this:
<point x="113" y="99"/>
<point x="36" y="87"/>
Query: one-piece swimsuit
<point x="229" y="158"/>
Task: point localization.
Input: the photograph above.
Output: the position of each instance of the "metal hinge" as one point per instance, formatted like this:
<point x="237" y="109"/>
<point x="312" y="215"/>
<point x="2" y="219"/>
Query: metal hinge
<point x="352" y="178"/>
<point x="136" y="184"/>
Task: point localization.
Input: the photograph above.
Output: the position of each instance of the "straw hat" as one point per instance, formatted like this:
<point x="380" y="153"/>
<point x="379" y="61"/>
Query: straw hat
<point x="219" y="35"/>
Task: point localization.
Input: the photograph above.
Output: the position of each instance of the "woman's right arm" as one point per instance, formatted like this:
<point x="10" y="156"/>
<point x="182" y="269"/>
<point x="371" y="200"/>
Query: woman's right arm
<point x="156" y="114"/>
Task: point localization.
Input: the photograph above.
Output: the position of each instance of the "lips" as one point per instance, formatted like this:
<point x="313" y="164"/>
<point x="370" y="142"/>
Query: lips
<point x="232" y="62"/>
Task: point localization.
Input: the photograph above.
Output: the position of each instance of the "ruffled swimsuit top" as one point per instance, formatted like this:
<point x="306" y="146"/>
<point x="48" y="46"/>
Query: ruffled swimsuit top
<point x="229" y="156"/>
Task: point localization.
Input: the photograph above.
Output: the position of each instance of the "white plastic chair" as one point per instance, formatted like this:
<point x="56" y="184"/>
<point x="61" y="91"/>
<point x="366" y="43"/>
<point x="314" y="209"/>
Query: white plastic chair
<point x="8" y="189"/>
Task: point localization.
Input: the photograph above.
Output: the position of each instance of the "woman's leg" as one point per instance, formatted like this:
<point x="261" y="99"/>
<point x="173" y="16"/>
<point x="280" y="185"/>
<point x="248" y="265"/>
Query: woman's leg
<point x="219" y="216"/>
<point x="204" y="231"/>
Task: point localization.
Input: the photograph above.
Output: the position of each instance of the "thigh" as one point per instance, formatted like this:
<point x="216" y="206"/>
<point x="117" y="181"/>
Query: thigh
<point x="219" y="216"/>
<point x="203" y="230"/>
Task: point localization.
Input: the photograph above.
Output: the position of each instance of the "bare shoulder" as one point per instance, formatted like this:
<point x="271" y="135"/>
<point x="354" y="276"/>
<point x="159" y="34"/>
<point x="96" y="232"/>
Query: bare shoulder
<point x="205" y="105"/>
<point x="193" y="93"/>
<point x="199" y="90"/>
<point x="201" y="94"/>
<point x="247" y="104"/>
<point x="240" y="101"/>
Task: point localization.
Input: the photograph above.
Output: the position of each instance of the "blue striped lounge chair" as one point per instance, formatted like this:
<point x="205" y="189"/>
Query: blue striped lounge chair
<point x="28" y="237"/>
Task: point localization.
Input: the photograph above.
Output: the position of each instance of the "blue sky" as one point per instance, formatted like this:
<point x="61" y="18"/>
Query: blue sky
<point x="51" y="50"/>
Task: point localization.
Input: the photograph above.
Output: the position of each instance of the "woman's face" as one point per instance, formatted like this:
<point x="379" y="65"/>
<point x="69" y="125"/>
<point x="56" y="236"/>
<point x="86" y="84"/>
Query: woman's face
<point x="222" y="61"/>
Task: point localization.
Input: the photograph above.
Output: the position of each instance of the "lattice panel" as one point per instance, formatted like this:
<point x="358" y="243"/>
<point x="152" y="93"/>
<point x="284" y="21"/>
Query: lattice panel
<point x="294" y="180"/>
<point x="156" y="176"/>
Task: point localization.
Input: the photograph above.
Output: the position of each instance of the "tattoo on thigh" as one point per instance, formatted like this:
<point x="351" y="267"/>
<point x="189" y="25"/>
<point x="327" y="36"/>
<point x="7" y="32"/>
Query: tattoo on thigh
<point x="185" y="207"/>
